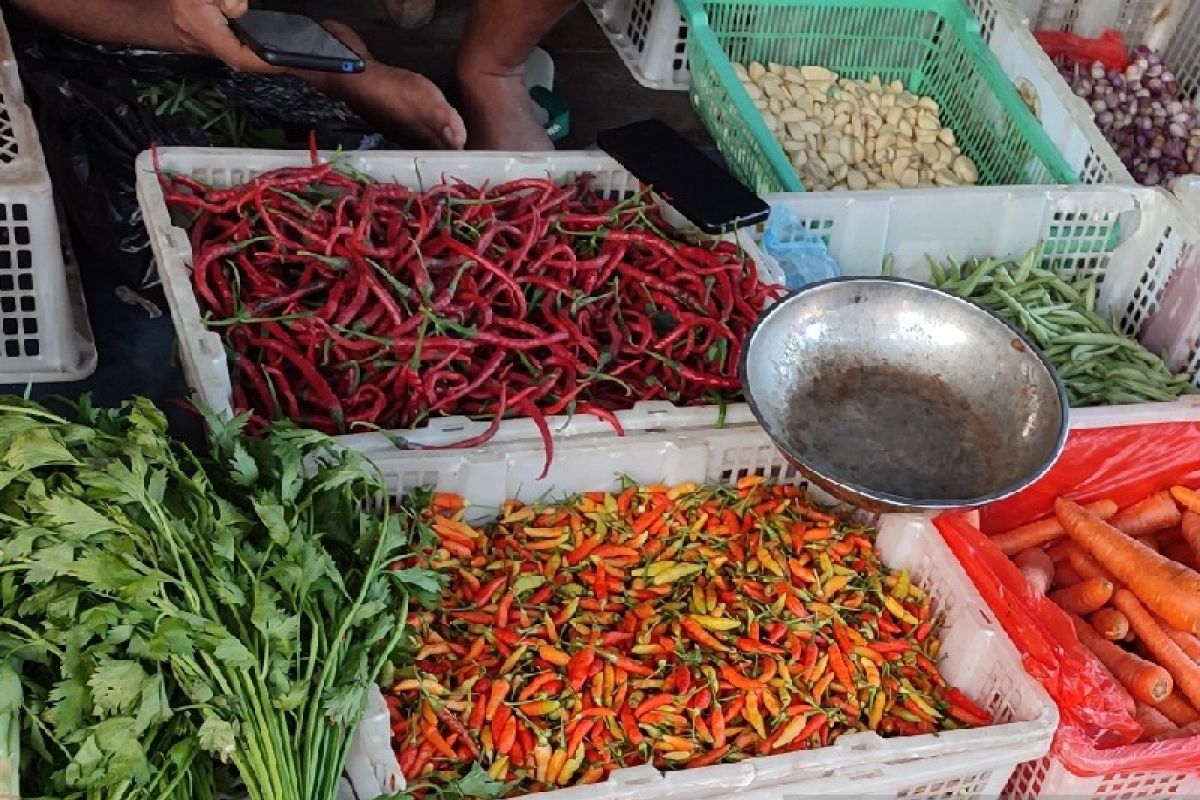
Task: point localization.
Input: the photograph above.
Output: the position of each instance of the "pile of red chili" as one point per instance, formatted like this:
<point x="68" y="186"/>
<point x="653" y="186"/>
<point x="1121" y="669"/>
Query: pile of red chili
<point x="678" y="627"/>
<point x="348" y="304"/>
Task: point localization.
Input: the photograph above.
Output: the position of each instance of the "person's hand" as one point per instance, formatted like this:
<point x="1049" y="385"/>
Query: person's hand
<point x="203" y="28"/>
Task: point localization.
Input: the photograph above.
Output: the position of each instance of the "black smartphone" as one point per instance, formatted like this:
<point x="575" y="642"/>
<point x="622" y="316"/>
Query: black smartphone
<point x="694" y="184"/>
<point x="294" y="40"/>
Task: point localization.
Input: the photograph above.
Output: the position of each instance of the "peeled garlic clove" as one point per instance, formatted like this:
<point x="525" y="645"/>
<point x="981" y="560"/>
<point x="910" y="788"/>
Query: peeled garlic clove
<point x="965" y="169"/>
<point x="813" y="72"/>
<point x="944" y="177"/>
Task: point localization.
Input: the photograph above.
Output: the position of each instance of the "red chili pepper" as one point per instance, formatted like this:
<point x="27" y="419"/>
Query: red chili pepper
<point x="579" y="668"/>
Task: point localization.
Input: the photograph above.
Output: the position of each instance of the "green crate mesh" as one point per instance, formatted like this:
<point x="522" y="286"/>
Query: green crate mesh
<point x="931" y="46"/>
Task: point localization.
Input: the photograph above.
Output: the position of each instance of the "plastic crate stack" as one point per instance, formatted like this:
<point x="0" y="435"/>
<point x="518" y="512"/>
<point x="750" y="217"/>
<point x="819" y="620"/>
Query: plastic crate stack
<point x="44" y="330"/>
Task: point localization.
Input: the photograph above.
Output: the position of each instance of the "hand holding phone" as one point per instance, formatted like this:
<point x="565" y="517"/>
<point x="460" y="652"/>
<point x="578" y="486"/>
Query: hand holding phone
<point x="203" y="28"/>
<point x="295" y="41"/>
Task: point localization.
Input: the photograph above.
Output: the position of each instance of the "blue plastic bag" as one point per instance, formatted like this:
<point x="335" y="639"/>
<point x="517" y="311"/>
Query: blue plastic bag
<point x="800" y="254"/>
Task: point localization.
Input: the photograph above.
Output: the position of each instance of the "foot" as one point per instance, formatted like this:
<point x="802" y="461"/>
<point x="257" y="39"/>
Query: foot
<point x="499" y="112"/>
<point x="409" y="14"/>
<point x="406" y="106"/>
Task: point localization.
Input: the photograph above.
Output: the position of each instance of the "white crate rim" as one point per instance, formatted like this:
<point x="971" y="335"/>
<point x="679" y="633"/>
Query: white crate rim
<point x="905" y="540"/>
<point x="202" y="352"/>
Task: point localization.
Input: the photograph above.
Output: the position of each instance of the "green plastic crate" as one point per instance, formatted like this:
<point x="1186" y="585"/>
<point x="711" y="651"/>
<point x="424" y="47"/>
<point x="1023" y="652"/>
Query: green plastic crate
<point x="932" y="46"/>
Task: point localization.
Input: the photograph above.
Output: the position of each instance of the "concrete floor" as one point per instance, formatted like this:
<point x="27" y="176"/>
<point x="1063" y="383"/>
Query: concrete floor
<point x="589" y="75"/>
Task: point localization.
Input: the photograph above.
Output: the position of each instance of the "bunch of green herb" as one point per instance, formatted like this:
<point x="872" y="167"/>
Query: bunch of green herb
<point x="206" y="106"/>
<point x="164" y="605"/>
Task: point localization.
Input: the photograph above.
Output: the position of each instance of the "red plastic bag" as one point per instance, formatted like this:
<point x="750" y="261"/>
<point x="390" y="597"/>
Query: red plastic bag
<point x="1109" y="49"/>
<point x="1088" y="700"/>
<point x="1125" y="464"/>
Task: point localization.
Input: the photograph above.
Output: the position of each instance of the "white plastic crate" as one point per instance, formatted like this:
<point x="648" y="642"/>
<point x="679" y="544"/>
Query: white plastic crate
<point x="1048" y="777"/>
<point x="1136" y="241"/>
<point x="203" y="355"/>
<point x="650" y="36"/>
<point x="1187" y="189"/>
<point x="1066" y="118"/>
<point x="978" y="656"/>
<point x="44" y="332"/>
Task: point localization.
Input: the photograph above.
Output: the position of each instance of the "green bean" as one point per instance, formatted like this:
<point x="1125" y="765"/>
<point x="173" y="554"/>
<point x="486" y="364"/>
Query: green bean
<point x="935" y="269"/>
<point x="889" y="263"/>
<point x="1057" y="310"/>
<point x="955" y="268"/>
<point x="1026" y="266"/>
<point x="1088" y="351"/>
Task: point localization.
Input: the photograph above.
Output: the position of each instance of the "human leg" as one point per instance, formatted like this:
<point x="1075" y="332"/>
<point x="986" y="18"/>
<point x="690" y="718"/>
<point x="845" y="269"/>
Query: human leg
<point x="409" y="14"/>
<point x="402" y="103"/>
<point x="499" y="36"/>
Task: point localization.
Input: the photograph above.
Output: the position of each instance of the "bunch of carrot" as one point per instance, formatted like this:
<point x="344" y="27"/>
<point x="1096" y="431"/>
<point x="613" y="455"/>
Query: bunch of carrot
<point x="678" y="627"/>
<point x="1128" y="579"/>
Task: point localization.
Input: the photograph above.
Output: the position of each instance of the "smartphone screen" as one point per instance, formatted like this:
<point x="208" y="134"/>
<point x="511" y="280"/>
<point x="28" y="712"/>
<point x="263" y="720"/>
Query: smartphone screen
<point x="294" y="40"/>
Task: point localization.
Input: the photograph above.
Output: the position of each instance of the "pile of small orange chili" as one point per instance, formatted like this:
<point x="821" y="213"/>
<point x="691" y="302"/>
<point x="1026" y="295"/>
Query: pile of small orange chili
<point x="678" y="627"/>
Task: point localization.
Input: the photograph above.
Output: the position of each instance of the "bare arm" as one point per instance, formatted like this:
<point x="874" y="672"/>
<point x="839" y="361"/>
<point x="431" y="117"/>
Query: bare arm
<point x="181" y="26"/>
<point x="140" y="23"/>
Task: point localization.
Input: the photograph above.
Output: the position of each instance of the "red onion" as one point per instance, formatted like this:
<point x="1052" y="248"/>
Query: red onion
<point x="1154" y="130"/>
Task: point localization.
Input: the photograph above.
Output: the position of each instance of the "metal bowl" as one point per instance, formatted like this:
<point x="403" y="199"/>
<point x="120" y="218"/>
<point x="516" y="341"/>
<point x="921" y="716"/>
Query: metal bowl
<point x="893" y="395"/>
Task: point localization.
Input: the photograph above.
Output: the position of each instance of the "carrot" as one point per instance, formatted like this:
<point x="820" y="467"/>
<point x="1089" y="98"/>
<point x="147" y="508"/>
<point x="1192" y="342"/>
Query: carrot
<point x="1084" y="564"/>
<point x="1084" y="597"/>
<point x="1110" y="623"/>
<point x="1058" y="550"/>
<point x="1169" y="536"/>
<point x="1184" y="671"/>
<point x="1065" y="575"/>
<point x="1177" y="709"/>
<point x="1169" y="589"/>
<point x="1147" y="682"/>
<point x="1035" y="534"/>
<point x="1186" y="641"/>
<point x="1182" y="551"/>
<point x="1184" y="732"/>
<point x="1152" y="721"/>
<point x="1190" y="529"/>
<point x="1156" y="512"/>
<point x="1188" y="498"/>
<point x="1148" y="540"/>
<point x="1038" y="569"/>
